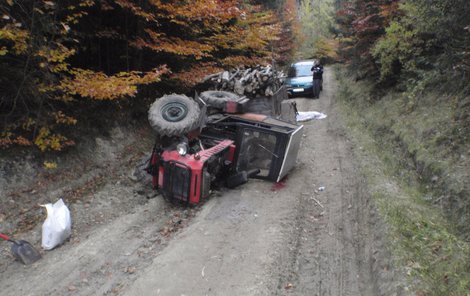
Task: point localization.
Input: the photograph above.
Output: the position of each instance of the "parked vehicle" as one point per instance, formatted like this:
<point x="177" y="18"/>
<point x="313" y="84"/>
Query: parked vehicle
<point x="300" y="79"/>
<point x="211" y="141"/>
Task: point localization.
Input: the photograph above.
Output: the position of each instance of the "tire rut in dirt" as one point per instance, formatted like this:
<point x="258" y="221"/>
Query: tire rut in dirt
<point x="325" y="254"/>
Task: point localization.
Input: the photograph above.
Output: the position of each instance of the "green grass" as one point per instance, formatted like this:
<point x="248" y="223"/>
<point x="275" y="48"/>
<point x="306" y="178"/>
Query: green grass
<point x="409" y="168"/>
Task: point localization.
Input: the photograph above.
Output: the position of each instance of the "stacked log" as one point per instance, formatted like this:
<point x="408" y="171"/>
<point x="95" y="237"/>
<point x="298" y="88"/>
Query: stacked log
<point x="259" y="81"/>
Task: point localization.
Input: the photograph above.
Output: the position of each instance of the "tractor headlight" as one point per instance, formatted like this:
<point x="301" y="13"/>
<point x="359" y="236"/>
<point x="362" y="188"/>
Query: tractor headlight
<point x="182" y="149"/>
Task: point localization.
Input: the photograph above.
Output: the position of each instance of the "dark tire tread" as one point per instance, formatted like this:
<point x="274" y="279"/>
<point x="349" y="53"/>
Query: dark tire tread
<point x="218" y="98"/>
<point x="190" y="122"/>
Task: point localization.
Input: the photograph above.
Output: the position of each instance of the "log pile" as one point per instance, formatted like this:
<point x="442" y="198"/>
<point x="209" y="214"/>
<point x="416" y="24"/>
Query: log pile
<point x="259" y="81"/>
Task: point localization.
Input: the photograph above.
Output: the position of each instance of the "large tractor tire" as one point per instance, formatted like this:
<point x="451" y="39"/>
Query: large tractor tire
<point x="218" y="98"/>
<point x="174" y="115"/>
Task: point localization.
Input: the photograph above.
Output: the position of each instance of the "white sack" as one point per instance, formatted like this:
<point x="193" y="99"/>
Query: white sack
<point x="310" y="115"/>
<point x="58" y="225"/>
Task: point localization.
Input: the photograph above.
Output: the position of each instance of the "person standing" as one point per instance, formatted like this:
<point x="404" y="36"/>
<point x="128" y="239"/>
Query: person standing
<point x="317" y="70"/>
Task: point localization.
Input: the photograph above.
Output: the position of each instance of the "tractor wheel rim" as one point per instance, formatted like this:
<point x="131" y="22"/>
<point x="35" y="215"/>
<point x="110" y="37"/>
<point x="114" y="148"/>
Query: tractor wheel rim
<point x="174" y="112"/>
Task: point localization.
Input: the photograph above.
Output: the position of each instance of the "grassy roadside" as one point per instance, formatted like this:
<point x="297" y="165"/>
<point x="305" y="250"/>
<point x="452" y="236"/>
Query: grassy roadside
<point x="418" y="181"/>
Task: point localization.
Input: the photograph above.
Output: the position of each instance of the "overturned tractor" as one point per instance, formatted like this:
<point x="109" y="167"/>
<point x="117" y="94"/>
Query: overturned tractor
<point x="214" y="140"/>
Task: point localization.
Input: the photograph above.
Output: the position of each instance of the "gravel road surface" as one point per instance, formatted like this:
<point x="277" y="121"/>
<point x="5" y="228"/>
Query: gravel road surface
<point x="314" y="233"/>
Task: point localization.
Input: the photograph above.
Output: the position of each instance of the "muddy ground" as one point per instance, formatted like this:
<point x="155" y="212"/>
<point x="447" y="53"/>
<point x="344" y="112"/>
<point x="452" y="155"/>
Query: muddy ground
<point x="314" y="233"/>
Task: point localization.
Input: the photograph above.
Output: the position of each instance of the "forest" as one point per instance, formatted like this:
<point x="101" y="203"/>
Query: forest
<point x="71" y="67"/>
<point x="64" y="61"/>
<point x="416" y="56"/>
<point x="407" y="80"/>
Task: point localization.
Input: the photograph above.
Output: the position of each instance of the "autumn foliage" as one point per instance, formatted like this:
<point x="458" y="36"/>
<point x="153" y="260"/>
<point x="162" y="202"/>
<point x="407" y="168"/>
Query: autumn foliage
<point x="410" y="42"/>
<point x="56" y="55"/>
<point x="361" y="24"/>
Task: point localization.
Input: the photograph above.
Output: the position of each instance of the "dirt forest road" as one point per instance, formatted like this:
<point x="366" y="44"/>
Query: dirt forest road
<point x="316" y="233"/>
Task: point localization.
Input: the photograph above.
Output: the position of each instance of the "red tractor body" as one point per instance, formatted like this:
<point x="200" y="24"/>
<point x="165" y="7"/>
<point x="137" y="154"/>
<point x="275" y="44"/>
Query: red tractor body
<point x="218" y="143"/>
<point x="229" y="150"/>
<point x="188" y="177"/>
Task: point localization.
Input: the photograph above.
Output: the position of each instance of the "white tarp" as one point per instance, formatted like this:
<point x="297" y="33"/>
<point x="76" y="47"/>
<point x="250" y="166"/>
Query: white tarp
<point x="310" y="115"/>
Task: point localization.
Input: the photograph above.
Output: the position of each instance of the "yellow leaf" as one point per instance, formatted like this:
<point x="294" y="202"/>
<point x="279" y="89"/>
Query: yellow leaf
<point x="50" y="165"/>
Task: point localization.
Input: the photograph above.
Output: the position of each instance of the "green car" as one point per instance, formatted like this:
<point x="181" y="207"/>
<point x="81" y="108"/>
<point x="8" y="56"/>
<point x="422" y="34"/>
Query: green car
<point x="299" y="81"/>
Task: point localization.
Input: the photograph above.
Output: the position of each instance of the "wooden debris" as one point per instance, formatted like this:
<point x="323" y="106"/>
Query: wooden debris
<point x="259" y="81"/>
<point x="316" y="200"/>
